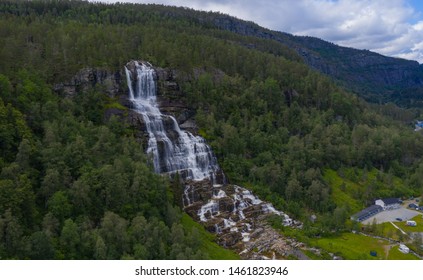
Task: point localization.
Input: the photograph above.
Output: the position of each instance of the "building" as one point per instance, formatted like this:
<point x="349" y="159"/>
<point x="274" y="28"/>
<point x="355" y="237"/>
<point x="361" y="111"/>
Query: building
<point x="379" y="206"/>
<point x="389" y="203"/>
<point x="367" y="213"/>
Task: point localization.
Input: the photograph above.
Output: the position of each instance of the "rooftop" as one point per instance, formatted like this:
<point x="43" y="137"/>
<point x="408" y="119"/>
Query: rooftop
<point x="367" y="213"/>
<point x="391" y="200"/>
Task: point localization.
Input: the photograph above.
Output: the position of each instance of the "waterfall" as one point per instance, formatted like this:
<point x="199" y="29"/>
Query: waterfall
<point x="231" y="211"/>
<point x="173" y="149"/>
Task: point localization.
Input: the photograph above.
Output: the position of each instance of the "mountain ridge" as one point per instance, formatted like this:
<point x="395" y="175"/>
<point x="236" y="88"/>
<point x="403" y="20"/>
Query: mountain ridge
<point x="375" y="77"/>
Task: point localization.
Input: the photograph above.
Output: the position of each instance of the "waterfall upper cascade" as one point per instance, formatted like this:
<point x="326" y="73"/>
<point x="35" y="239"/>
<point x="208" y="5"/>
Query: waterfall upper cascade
<point x="232" y="212"/>
<point x="173" y="149"/>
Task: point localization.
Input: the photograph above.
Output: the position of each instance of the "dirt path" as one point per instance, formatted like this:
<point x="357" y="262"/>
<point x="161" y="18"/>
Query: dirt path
<point x="387" y="248"/>
<point x="403" y="232"/>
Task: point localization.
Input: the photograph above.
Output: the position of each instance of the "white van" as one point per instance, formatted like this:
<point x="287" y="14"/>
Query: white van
<point x="404" y="249"/>
<point x="411" y="223"/>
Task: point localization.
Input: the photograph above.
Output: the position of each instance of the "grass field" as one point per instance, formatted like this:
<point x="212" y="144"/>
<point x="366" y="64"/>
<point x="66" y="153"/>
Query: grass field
<point x="419" y="228"/>
<point x="387" y="230"/>
<point x="352" y="246"/>
<point x="342" y="190"/>
<point x="395" y="254"/>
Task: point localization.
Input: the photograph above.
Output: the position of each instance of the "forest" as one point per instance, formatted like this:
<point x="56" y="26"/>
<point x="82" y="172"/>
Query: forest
<point x="75" y="184"/>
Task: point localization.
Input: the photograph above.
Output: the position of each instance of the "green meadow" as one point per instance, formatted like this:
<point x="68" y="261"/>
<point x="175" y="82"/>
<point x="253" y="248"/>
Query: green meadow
<point x="352" y="246"/>
<point x="418" y="228"/>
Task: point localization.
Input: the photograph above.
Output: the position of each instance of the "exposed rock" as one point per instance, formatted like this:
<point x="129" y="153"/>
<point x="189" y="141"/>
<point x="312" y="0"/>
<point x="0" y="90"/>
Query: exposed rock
<point x="257" y="232"/>
<point x="239" y="219"/>
<point x="189" y="125"/>
<point x="110" y="82"/>
<point x="230" y="239"/>
<point x="266" y="243"/>
<point x="172" y="100"/>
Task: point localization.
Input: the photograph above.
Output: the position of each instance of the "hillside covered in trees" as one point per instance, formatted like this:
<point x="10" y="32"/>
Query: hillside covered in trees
<point x="75" y="183"/>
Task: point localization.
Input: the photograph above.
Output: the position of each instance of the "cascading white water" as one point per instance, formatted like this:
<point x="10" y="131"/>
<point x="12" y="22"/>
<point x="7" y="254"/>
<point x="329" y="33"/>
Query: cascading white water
<point x="231" y="212"/>
<point x="185" y="153"/>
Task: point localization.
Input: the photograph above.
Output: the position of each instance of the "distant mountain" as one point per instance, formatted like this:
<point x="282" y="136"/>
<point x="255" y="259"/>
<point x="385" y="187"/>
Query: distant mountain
<point x="375" y="77"/>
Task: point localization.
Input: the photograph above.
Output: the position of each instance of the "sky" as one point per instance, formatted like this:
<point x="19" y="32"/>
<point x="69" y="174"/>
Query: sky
<point x="389" y="27"/>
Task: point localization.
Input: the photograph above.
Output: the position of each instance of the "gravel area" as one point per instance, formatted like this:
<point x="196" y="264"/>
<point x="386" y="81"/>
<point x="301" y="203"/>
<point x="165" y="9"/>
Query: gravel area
<point x="391" y="215"/>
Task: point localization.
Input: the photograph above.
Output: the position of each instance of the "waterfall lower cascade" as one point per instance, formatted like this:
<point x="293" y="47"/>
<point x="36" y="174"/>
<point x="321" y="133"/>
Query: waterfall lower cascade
<point x="232" y="212"/>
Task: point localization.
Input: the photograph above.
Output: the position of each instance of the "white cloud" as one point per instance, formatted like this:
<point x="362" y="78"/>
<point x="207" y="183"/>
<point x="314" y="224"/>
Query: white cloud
<point x="378" y="25"/>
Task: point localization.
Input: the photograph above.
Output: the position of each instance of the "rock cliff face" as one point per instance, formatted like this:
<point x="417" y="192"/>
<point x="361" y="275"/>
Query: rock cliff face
<point x="170" y="99"/>
<point x="110" y="81"/>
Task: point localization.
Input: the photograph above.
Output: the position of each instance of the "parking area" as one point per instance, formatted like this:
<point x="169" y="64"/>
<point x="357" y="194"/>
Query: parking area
<point x="392" y="215"/>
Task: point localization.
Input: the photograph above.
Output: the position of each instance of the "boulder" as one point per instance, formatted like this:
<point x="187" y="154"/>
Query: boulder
<point x="230" y="239"/>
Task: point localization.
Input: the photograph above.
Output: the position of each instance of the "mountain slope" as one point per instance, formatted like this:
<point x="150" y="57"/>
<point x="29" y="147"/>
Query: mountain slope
<point x="376" y="77"/>
<point x="85" y="187"/>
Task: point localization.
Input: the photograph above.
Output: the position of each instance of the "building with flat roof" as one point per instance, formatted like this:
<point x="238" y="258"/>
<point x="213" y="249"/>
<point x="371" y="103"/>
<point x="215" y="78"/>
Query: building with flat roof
<point x="367" y="213"/>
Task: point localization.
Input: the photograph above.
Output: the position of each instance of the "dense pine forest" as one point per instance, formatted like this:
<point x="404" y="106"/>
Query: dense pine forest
<point x="76" y="184"/>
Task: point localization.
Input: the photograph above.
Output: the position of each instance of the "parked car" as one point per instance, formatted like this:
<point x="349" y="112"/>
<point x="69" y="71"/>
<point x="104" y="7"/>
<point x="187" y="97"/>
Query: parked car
<point x="412" y="206"/>
<point x="399" y="219"/>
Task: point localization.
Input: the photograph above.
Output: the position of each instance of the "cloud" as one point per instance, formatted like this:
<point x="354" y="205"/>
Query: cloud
<point x="379" y="25"/>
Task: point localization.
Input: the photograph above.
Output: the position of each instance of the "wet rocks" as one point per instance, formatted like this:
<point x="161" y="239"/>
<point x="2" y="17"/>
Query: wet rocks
<point x="239" y="219"/>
